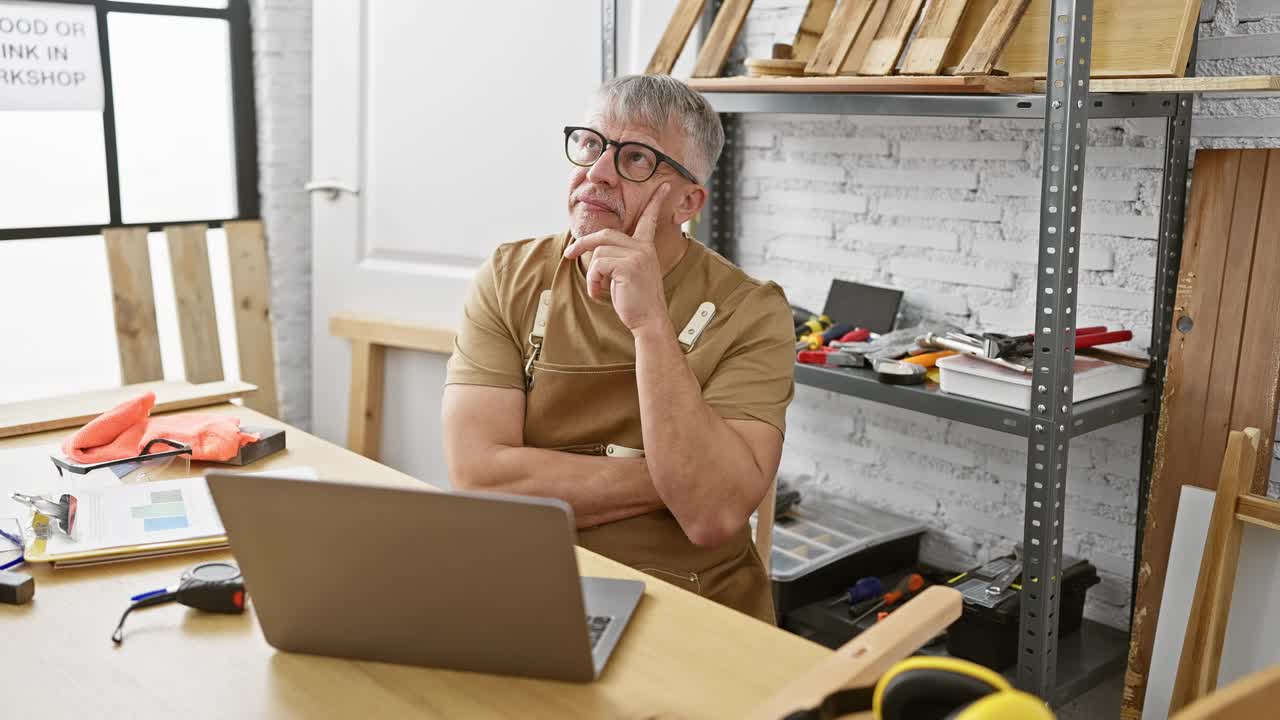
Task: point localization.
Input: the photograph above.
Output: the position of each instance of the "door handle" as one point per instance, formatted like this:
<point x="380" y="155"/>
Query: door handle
<point x="332" y="187"/>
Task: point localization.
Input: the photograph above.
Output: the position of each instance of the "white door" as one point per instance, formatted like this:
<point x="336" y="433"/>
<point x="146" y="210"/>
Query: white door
<point x="445" y="118"/>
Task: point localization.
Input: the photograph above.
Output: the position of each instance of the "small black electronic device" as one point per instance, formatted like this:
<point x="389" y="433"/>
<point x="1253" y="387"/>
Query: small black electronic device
<point x="213" y="587"/>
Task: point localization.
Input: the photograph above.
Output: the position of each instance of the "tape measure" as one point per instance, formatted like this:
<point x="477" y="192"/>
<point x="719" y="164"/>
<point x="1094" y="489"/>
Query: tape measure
<point x="895" y="372"/>
<point x="212" y="587"/>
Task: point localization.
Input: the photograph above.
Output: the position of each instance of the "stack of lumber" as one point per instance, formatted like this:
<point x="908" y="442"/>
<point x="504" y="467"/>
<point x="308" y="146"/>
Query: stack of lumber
<point x="961" y="46"/>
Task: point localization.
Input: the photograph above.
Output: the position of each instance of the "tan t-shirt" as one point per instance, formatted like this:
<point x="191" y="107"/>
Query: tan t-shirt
<point x="744" y="360"/>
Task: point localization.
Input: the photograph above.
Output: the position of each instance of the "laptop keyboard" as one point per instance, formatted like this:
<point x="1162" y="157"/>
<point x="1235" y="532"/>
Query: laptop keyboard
<point x="596" y="625"/>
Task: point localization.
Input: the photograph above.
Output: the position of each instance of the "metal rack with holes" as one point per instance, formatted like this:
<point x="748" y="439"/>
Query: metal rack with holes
<point x="1054" y="670"/>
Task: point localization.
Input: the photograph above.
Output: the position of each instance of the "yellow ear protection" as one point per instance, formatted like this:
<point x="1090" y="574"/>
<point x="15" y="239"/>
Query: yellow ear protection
<point x="933" y="688"/>
<point x="939" y="688"/>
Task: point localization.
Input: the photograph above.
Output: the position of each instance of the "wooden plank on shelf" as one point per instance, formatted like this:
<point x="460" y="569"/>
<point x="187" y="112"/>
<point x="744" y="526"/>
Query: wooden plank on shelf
<point x="836" y="42"/>
<point x="1206" y="630"/>
<point x="1151" y="38"/>
<point x="719" y="41"/>
<point x="1240" y="83"/>
<point x="882" y="56"/>
<point x="391" y="333"/>
<point x="937" y="30"/>
<point x="251" y="304"/>
<point x="845" y="84"/>
<point x="1224" y="361"/>
<point x="193" y="292"/>
<point x="134" y="304"/>
<point x="971" y="22"/>
<point x="816" y="16"/>
<point x="674" y="37"/>
<point x="33" y="416"/>
<point x="867" y="34"/>
<point x="981" y="56"/>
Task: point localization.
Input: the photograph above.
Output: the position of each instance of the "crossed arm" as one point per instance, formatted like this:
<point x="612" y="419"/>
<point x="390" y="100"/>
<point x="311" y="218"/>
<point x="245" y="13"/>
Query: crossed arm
<point x="710" y="472"/>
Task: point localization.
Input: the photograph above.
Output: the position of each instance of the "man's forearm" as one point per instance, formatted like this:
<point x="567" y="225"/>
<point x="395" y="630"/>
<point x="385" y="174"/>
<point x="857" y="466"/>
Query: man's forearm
<point x="696" y="461"/>
<point x="599" y="489"/>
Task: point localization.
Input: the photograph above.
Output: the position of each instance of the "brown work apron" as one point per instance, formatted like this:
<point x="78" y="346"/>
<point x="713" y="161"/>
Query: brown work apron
<point x="595" y="409"/>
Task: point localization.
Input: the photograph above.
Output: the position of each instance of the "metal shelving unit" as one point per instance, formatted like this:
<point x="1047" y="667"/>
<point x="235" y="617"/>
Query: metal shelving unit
<point x="1052" y="420"/>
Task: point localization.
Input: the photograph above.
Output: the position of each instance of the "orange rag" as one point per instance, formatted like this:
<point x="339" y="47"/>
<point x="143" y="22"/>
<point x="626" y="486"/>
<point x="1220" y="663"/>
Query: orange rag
<point x="124" y="430"/>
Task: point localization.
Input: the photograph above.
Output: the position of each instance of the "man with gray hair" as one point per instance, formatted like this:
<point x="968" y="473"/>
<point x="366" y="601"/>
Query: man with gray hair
<point x="625" y="368"/>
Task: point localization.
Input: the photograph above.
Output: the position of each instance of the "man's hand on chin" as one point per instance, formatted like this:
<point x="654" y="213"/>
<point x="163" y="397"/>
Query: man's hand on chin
<point x="625" y="269"/>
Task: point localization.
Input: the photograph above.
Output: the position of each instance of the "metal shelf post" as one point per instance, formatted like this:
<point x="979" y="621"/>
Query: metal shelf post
<point x="1066" y="135"/>
<point x="1173" y="201"/>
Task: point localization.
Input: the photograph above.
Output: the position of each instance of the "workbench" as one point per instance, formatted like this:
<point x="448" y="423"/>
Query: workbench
<point x="681" y="657"/>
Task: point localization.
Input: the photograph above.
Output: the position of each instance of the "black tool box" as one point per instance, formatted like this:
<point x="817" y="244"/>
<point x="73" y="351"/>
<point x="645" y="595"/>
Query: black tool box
<point x="987" y="631"/>
<point x="829" y="622"/>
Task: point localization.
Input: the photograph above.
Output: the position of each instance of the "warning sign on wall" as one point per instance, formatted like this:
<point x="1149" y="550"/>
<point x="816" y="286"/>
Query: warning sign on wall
<point x="49" y="57"/>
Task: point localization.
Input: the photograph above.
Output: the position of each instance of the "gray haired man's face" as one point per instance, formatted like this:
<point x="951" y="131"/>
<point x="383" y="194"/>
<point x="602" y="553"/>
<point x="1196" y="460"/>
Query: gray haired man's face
<point x="599" y="199"/>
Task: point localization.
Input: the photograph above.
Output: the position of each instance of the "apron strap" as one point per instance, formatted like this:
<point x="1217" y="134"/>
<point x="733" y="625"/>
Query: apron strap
<point x="536" y="334"/>
<point x="702" y="317"/>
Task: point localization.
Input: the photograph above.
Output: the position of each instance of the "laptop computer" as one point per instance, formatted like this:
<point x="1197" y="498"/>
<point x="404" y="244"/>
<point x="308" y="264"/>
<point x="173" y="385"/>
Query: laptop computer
<point x="465" y="581"/>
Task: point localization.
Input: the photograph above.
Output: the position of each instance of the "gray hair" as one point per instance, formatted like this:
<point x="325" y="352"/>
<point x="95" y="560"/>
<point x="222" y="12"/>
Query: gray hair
<point x="657" y="100"/>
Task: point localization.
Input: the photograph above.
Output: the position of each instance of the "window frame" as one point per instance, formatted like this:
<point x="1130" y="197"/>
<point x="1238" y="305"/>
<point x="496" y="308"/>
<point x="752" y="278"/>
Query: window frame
<point x="243" y="113"/>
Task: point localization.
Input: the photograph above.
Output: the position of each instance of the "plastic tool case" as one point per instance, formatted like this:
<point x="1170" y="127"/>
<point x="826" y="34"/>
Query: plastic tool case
<point x="824" y="544"/>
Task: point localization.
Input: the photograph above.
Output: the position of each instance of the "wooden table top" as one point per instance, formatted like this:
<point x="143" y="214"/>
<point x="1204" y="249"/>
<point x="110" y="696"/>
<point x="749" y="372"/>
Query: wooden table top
<point x="681" y="657"/>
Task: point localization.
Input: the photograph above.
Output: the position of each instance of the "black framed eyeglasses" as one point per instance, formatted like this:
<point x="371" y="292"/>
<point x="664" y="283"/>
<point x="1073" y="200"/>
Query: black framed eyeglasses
<point x="634" y="161"/>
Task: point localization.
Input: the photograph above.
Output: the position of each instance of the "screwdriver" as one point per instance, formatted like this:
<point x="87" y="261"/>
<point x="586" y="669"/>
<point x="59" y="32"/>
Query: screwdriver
<point x="906" y="587"/>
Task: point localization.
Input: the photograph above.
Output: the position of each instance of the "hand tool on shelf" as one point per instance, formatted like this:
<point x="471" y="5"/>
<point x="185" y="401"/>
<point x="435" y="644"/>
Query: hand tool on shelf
<point x="1001" y="582"/>
<point x="897" y="372"/>
<point x="866" y="588"/>
<point x="996" y="345"/>
<point x="906" y="587"/>
<point x="928" y="360"/>
<point x="845" y="332"/>
<point x="828" y="357"/>
<point x="812" y="325"/>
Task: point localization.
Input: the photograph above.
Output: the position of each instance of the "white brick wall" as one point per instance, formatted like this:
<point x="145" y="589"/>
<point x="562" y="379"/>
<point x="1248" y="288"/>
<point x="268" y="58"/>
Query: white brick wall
<point x="947" y="209"/>
<point x="282" y="81"/>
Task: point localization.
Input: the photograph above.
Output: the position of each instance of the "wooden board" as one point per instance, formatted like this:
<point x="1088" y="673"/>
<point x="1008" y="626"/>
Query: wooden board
<point x="391" y="333"/>
<point x="836" y="42"/>
<point x="674" y="37"/>
<point x="134" y="304"/>
<point x="1255" y="696"/>
<point x="1258" y="376"/>
<point x="719" y="41"/>
<point x="1206" y="629"/>
<point x="991" y="39"/>
<point x="33" y="416"/>
<point x="816" y="15"/>
<point x="844" y="84"/>
<point x="859" y="662"/>
<point x="1217" y="366"/>
<point x="364" y="407"/>
<point x="867" y="34"/>
<point x="933" y="37"/>
<point x="886" y="46"/>
<point x="251" y="300"/>
<point x="193" y="293"/>
<point x="1253" y="627"/>
<point x="1151" y="38"/>
<point x="971" y="22"/>
<point x="1230" y="308"/>
<point x="770" y="67"/>
<point x="1241" y="83"/>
